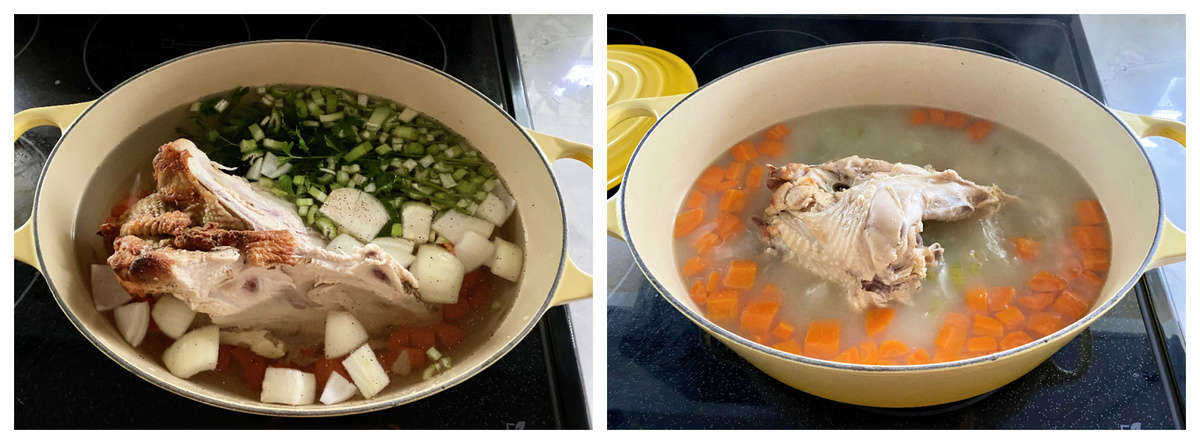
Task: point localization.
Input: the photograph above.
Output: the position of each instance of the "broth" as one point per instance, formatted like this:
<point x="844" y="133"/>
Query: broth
<point x="980" y="258"/>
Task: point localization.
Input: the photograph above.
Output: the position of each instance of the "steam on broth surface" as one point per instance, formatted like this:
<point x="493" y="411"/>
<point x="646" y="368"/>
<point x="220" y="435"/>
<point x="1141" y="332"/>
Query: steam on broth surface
<point x="1006" y="278"/>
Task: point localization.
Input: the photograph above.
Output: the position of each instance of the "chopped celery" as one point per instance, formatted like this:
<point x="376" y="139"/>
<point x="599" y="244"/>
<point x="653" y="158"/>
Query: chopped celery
<point x="357" y="152"/>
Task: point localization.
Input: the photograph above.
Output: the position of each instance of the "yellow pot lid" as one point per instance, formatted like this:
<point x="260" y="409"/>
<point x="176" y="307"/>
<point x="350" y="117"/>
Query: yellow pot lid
<point x="636" y="72"/>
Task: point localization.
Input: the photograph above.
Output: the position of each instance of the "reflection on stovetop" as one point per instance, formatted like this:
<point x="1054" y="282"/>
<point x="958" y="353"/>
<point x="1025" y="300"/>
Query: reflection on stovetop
<point x="1107" y="377"/>
<point x="65" y="381"/>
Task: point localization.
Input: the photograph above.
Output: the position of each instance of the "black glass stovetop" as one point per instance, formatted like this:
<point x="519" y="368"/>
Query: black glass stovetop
<point x="664" y="372"/>
<point x="63" y="381"/>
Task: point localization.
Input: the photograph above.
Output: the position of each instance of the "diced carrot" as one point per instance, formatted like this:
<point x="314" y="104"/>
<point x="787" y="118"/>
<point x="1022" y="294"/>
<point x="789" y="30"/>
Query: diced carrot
<point x="977" y="299"/>
<point x="698" y="293"/>
<point x="694" y="265"/>
<point x="1070" y="267"/>
<point x="773" y="148"/>
<point x="1047" y="281"/>
<point x="919" y="357"/>
<point x="416" y="358"/>
<point x="1014" y="339"/>
<point x="729" y="226"/>
<point x="1027" y="249"/>
<point x="1070" y="305"/>
<point x="711" y="178"/>
<point x="703" y="243"/>
<point x="723" y="305"/>
<point x="1037" y="300"/>
<point x="1000" y="298"/>
<point x="714" y="281"/>
<point x="423" y="338"/>
<point x="1093" y="279"/>
<point x="744" y="151"/>
<point x="979" y="129"/>
<point x="1044" y="323"/>
<point x="1090" y="213"/>
<point x="981" y="344"/>
<point x="937" y="116"/>
<point x="1090" y="237"/>
<point x="789" y="346"/>
<point x="758" y="316"/>
<point x="778" y="131"/>
<point x="1011" y="317"/>
<point x="735" y="171"/>
<point x="688" y="221"/>
<point x="733" y="201"/>
<point x="947" y="355"/>
<point x="695" y="199"/>
<point x="728" y="184"/>
<point x="253" y="366"/>
<point x="1095" y="260"/>
<point x="879" y="319"/>
<point x="849" y="356"/>
<point x="868" y="353"/>
<point x="223" y="356"/>
<point x="957" y="319"/>
<point x="772" y="293"/>
<point x="987" y="326"/>
<point x="754" y="177"/>
<point x="918" y="117"/>
<point x="399" y="338"/>
<point x="821" y="340"/>
<point x="448" y="335"/>
<point x="456" y="311"/>
<point x="783" y="330"/>
<point x="892" y="349"/>
<point x="956" y="120"/>
<point x="950" y="337"/>
<point x="323" y="368"/>
<point x="741" y="274"/>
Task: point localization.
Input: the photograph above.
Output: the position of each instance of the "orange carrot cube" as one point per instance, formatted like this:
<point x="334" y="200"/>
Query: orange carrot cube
<point x="688" y="221"/>
<point x="987" y="326"/>
<point x="741" y="274"/>
<point x="878" y="319"/>
<point x="821" y="340"/>
<point x="1089" y="212"/>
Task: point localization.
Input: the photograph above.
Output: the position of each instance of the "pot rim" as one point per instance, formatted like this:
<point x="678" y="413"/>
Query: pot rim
<point x="704" y="323"/>
<point x="303" y="411"/>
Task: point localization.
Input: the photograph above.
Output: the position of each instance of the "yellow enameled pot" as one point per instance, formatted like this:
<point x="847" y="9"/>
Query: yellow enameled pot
<point x="1102" y="144"/>
<point x="105" y="141"/>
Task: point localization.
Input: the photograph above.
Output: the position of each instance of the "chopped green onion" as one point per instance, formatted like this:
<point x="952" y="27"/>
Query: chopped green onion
<point x="331" y="117"/>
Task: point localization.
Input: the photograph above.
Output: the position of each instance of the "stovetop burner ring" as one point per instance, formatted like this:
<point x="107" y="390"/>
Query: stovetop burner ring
<point x="760" y="31"/>
<point x="441" y="41"/>
<point x="978" y="44"/>
<point x="631" y="34"/>
<point x="36" y="24"/>
<point x="191" y="46"/>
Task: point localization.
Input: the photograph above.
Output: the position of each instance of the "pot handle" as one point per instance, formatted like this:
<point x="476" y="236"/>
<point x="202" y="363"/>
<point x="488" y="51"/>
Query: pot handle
<point x="60" y="116"/>
<point x="574" y="284"/>
<point x="614" y="219"/>
<point x="1172" y="241"/>
<point x="645" y="107"/>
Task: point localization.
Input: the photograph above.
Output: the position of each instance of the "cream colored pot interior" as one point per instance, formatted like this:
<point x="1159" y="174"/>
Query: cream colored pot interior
<point x="731" y="108"/>
<point x="98" y="155"/>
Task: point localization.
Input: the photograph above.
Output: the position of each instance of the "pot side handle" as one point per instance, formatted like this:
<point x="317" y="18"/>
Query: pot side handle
<point x="614" y="219"/>
<point x="653" y="107"/>
<point x="574" y="284"/>
<point x="60" y="116"/>
<point x="1172" y="241"/>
